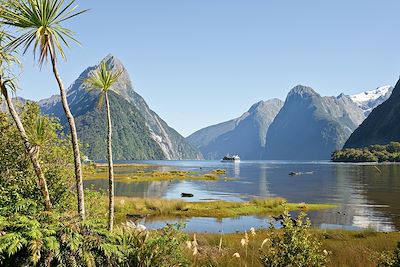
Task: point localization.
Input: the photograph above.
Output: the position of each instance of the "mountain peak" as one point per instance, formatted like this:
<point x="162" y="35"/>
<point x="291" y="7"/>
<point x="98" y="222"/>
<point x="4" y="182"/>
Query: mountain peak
<point x="302" y="91"/>
<point x="113" y="62"/>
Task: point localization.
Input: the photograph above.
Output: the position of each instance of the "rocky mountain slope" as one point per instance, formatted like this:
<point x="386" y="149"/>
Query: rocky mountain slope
<point x="311" y="127"/>
<point x="139" y="133"/>
<point x="382" y="126"/>
<point x="245" y="135"/>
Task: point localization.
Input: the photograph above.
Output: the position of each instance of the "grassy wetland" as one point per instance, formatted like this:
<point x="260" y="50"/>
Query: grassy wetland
<point x="344" y="248"/>
<point x="135" y="173"/>
<point x="216" y="209"/>
<point x="179" y="208"/>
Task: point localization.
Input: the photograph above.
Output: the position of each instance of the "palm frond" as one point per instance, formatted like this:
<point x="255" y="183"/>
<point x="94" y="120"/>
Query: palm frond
<point x="8" y="59"/>
<point x="102" y="79"/>
<point x="39" y="24"/>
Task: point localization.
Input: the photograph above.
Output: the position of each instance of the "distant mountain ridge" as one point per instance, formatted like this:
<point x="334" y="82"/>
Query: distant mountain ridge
<point x="308" y="127"/>
<point x="311" y="127"/>
<point x="245" y="135"/>
<point x="139" y="133"/>
<point x="382" y="126"/>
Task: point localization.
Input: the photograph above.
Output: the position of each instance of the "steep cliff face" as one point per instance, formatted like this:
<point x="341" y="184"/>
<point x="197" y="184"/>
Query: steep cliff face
<point x="382" y="126"/>
<point x="245" y="136"/>
<point x="139" y="133"/>
<point x="311" y="127"/>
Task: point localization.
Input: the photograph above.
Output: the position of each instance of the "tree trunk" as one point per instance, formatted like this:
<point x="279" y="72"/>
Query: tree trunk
<point x="74" y="138"/>
<point x="110" y="168"/>
<point x="41" y="180"/>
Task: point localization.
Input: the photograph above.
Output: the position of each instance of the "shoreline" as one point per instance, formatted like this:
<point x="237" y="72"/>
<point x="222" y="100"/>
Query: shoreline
<point x="174" y="209"/>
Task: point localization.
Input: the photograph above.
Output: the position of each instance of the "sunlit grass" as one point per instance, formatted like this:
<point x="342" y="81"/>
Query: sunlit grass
<point x="132" y="173"/>
<point x="154" y="207"/>
<point x="347" y="248"/>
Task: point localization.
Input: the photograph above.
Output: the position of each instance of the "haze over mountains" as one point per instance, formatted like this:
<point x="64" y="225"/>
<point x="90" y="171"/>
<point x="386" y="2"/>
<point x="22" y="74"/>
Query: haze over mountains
<point x="307" y="126"/>
<point x="311" y="127"/>
<point x="139" y="133"/>
<point x="245" y="135"/>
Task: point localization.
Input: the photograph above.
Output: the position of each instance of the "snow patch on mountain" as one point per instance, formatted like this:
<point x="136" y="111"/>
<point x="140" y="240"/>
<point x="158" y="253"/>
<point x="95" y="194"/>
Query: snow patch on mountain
<point x="369" y="100"/>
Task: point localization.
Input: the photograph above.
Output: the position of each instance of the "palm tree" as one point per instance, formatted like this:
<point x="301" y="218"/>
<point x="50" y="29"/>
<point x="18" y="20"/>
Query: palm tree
<point x="38" y="23"/>
<point x="103" y="79"/>
<point x="7" y="59"/>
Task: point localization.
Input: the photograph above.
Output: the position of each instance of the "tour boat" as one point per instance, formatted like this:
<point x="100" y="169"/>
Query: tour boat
<point x="228" y="158"/>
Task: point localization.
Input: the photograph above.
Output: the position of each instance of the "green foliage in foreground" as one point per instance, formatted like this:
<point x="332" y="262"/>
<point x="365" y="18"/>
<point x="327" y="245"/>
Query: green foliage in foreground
<point x="295" y="246"/>
<point x="56" y="241"/>
<point x="18" y="180"/>
<point x="374" y="153"/>
<point x="29" y="236"/>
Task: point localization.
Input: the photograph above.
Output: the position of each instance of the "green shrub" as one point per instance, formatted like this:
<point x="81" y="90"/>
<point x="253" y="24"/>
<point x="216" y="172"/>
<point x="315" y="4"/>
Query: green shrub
<point x="373" y="153"/>
<point x="293" y="246"/>
<point x="57" y="241"/>
<point x="18" y="180"/>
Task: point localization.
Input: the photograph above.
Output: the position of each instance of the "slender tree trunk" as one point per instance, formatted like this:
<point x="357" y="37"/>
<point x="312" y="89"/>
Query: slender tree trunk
<point x="110" y="168"/>
<point x="74" y="138"/>
<point x="28" y="147"/>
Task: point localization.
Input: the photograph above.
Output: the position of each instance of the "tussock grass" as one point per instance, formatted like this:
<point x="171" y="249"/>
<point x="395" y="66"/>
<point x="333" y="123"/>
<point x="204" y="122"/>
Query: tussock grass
<point x="216" y="209"/>
<point x="163" y="207"/>
<point x="347" y="248"/>
<point x="269" y="203"/>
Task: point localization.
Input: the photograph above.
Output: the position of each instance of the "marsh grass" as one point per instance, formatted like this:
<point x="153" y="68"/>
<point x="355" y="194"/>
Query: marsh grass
<point x="269" y="203"/>
<point x="155" y="207"/>
<point x="347" y="248"/>
<point x="162" y="207"/>
<point x="219" y="171"/>
<point x="132" y="173"/>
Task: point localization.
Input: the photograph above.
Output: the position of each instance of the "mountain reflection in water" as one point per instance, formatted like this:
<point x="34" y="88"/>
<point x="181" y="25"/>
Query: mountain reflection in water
<point x="367" y="195"/>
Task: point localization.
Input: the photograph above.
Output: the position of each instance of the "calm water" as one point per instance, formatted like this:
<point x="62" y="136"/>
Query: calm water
<point x="367" y="195"/>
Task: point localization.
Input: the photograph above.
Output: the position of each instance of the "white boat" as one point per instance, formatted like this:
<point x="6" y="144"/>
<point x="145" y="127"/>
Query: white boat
<point x="228" y="158"/>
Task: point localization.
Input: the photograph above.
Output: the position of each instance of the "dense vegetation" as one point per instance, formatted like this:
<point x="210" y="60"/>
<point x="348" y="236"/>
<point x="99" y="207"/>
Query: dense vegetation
<point x="374" y="153"/>
<point x="131" y="139"/>
<point x="31" y="236"/>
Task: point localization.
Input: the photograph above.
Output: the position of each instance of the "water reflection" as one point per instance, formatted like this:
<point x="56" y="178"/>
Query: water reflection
<point x="366" y="195"/>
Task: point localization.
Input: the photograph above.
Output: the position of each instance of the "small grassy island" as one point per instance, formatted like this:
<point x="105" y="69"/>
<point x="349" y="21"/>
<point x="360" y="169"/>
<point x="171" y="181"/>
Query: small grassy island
<point x="133" y="173"/>
<point x="164" y="208"/>
<point x="374" y="153"/>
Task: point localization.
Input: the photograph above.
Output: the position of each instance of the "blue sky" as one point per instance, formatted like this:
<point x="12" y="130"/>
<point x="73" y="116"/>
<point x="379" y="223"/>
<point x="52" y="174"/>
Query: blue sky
<point x="202" y="62"/>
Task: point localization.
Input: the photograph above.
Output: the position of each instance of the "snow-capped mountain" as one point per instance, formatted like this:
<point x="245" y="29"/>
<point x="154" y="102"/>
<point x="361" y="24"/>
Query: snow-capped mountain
<point x="369" y="100"/>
